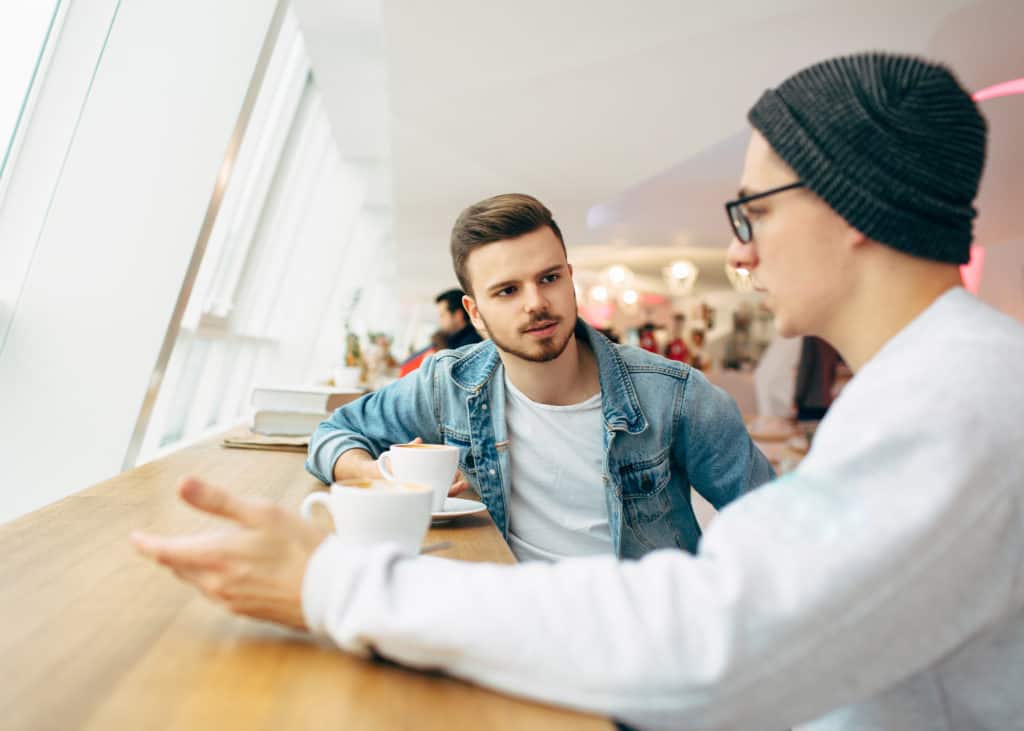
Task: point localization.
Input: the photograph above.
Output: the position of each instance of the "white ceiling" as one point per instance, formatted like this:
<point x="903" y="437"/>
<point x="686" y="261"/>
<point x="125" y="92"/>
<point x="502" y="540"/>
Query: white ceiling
<point x="630" y="113"/>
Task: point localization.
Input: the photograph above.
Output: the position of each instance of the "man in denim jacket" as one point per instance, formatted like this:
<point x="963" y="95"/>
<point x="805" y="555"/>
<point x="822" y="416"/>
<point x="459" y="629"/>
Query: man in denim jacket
<point x="577" y="446"/>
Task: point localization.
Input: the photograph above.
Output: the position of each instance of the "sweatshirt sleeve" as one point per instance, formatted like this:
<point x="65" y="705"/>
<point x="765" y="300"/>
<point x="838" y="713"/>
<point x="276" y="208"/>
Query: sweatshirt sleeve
<point x="803" y="597"/>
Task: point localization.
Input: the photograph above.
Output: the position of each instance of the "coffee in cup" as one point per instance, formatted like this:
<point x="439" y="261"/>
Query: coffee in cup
<point x="432" y="464"/>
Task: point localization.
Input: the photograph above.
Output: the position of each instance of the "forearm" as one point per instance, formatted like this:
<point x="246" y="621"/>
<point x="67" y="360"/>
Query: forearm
<point x="763" y="629"/>
<point x="356" y="463"/>
<point x="344" y="445"/>
<point x="588" y="634"/>
<point x="661" y="643"/>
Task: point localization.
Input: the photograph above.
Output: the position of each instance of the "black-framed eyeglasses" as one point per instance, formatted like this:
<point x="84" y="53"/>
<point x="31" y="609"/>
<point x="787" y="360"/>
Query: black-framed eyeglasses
<point x="738" y="219"/>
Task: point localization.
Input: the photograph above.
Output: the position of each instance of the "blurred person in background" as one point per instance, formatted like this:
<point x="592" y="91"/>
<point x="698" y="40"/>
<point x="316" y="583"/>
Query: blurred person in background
<point x="455" y="330"/>
<point x="739" y="346"/>
<point x="454" y="321"/>
<point x="677" y="349"/>
<point x="699" y="358"/>
<point x="648" y="339"/>
<point x="438" y="342"/>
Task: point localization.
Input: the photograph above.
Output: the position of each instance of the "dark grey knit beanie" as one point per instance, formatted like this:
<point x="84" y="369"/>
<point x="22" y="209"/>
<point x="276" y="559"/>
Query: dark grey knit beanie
<point x="892" y="143"/>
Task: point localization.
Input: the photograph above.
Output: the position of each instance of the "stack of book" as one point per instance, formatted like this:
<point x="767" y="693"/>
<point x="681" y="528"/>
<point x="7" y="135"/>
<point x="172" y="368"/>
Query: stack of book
<point x="295" y="411"/>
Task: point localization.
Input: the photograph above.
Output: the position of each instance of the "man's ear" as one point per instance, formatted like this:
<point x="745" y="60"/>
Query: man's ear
<point x="853" y="238"/>
<point x="474" y="313"/>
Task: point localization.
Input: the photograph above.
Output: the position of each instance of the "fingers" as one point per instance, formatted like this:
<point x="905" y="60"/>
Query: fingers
<point x="217" y="501"/>
<point x="459" y="484"/>
<point x="254" y="572"/>
<point x="184" y="553"/>
<point x="417" y="440"/>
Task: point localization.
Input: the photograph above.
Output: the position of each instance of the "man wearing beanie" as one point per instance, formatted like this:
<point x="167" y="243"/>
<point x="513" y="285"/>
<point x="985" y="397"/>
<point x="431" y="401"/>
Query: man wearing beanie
<point x="878" y="586"/>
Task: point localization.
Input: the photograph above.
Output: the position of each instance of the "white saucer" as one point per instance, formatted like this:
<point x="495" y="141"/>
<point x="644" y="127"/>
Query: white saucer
<point x="457" y="507"/>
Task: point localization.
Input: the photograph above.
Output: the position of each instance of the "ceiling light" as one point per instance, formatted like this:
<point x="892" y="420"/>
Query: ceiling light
<point x="681" y="269"/>
<point x="680" y="276"/>
<point x="740" y="278"/>
<point x="618" y="274"/>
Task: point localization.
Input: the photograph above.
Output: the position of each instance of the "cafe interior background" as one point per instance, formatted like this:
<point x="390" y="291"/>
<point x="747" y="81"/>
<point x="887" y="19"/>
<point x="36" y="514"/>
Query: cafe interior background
<point x="199" y="197"/>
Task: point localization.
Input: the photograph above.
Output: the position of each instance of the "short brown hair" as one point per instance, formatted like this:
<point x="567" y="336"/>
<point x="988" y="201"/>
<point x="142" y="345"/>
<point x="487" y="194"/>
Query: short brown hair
<point x="506" y="216"/>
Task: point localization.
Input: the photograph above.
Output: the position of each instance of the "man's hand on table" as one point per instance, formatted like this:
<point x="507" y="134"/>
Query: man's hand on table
<point x="254" y="568"/>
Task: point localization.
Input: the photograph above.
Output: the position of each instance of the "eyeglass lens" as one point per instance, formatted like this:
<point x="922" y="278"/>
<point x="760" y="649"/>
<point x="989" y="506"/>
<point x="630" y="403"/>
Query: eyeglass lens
<point x="740" y="224"/>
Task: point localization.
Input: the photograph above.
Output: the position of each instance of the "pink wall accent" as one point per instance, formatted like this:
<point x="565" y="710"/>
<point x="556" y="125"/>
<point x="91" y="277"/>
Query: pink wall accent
<point x="971" y="271"/>
<point x="1006" y="88"/>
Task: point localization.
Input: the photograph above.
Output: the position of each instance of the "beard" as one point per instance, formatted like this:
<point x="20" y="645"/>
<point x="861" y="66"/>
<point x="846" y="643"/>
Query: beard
<point x="543" y="350"/>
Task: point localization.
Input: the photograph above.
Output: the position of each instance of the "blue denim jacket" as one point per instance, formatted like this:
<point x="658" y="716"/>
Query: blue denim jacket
<point x="666" y="428"/>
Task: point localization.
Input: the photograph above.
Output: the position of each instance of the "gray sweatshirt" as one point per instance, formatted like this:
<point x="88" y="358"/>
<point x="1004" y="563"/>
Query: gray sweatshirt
<point x="879" y="586"/>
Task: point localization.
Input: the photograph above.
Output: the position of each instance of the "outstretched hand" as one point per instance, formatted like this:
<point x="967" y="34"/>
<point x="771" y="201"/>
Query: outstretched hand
<point x="254" y="568"/>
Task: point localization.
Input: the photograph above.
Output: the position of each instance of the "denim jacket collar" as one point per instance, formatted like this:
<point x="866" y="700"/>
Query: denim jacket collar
<point x="476" y="367"/>
<point x="620" y="404"/>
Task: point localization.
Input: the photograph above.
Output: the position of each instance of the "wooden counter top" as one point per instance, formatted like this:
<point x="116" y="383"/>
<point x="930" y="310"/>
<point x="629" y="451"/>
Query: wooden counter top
<point x="96" y="637"/>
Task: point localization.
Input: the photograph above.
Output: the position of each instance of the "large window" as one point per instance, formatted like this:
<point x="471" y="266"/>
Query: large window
<point x="25" y="33"/>
<point x="28" y="34"/>
<point x="131" y="110"/>
<point x="291" y="248"/>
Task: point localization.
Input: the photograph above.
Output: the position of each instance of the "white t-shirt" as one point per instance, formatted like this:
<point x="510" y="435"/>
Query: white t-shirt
<point x="557" y="504"/>
<point x="878" y="586"/>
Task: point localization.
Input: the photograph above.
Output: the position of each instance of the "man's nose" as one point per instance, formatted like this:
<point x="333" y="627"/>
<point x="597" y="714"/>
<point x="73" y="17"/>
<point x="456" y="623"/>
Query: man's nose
<point x="535" y="299"/>
<point x="740" y="255"/>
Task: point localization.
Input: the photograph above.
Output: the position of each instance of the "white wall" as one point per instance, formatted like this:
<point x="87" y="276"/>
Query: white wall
<point x="122" y="225"/>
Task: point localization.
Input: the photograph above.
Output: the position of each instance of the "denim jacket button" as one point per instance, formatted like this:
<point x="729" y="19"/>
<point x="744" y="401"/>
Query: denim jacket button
<point x="491" y="472"/>
<point x="483" y="406"/>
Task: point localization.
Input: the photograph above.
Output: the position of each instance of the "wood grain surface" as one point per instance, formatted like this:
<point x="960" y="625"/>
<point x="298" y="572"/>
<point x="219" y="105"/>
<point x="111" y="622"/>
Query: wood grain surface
<point x="95" y="637"/>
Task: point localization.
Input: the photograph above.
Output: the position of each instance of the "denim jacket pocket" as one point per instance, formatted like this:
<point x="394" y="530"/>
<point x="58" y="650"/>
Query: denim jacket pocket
<point x="646" y="503"/>
<point x="645" y="478"/>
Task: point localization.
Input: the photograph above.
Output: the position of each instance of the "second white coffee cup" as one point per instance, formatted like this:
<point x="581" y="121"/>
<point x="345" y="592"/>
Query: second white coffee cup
<point x="376" y="511"/>
<point x="431" y="464"/>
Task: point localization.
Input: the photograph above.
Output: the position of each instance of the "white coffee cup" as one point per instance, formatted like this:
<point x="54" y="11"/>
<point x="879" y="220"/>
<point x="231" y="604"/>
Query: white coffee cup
<point x="347" y="376"/>
<point x="376" y="511"/>
<point x="431" y="464"/>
